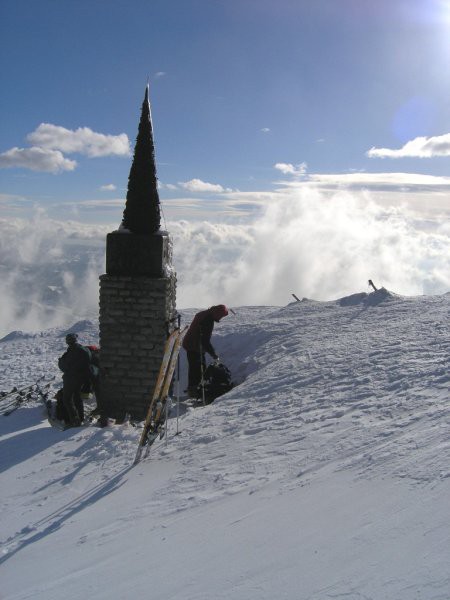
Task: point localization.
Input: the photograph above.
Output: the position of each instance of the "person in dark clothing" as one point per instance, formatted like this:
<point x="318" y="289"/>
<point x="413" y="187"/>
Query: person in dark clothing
<point x="75" y="365"/>
<point x="197" y="341"/>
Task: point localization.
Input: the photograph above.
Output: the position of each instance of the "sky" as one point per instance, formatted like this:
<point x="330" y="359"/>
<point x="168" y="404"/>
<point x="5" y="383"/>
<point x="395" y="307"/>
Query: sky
<point x="262" y="111"/>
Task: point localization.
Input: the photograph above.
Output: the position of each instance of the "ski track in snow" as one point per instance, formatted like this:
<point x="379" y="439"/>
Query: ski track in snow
<point x="357" y="387"/>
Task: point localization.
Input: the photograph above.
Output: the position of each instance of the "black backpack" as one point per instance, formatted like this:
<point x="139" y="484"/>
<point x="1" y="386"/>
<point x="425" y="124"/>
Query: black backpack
<point x="218" y="381"/>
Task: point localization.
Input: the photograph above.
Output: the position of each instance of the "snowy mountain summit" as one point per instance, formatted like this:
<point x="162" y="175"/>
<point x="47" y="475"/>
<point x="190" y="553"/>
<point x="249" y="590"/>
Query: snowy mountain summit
<point x="324" y="473"/>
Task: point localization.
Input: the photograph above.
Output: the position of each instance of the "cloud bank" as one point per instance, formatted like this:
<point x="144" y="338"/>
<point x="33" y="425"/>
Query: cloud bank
<point x="48" y="272"/>
<point x="303" y="242"/>
<point x="420" y="147"/>
<point x="392" y="180"/>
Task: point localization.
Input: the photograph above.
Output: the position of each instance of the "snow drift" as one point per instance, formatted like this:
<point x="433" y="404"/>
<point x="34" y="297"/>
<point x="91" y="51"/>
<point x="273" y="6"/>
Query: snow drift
<point x="323" y="474"/>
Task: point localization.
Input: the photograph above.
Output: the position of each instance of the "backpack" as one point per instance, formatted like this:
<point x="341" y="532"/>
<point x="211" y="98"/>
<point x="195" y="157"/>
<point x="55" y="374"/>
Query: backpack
<point x="94" y="370"/>
<point x="218" y="381"/>
<point x="95" y="355"/>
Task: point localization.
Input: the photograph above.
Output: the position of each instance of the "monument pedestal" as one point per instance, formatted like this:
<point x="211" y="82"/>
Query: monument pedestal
<point x="138" y="254"/>
<point x="137" y="306"/>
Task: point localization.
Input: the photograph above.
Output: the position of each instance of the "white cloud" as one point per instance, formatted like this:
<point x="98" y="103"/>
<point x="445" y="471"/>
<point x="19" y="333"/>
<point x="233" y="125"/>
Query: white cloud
<point x="377" y="179"/>
<point x="36" y="159"/>
<point x="83" y="141"/>
<point x="110" y="187"/>
<point x="301" y="240"/>
<point x="290" y="169"/>
<point x="50" y="141"/>
<point x="49" y="272"/>
<point x="426" y="196"/>
<point x="420" y="147"/>
<point x="167" y="186"/>
<point x="315" y="246"/>
<point x="197" y="185"/>
<point x="160" y="74"/>
<point x="265" y="129"/>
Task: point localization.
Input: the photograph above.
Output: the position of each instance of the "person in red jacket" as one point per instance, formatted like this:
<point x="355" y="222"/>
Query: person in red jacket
<point x="197" y="341"/>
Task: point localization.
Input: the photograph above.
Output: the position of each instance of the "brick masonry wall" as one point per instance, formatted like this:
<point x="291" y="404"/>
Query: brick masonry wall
<point x="134" y="324"/>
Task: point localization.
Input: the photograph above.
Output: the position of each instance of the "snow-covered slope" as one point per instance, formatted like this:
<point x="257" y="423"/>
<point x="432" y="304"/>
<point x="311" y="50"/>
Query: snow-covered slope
<point x="325" y="473"/>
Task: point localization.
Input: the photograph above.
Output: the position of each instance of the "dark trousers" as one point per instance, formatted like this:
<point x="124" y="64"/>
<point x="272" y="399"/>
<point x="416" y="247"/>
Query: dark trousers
<point x="72" y="399"/>
<point x="195" y="362"/>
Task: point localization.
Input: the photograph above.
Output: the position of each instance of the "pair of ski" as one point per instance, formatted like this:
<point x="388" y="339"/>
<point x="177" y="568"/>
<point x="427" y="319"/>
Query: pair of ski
<point x="39" y="389"/>
<point x="12" y="400"/>
<point x="157" y="414"/>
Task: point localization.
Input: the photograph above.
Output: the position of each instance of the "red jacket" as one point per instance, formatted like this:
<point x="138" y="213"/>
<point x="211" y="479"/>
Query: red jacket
<point x="199" y="333"/>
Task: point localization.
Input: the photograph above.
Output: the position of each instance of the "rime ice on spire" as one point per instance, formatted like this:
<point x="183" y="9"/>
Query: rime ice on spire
<point x="142" y="210"/>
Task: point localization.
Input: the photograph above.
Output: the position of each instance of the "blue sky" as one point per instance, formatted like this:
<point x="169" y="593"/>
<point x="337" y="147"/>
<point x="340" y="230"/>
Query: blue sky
<point x="237" y="87"/>
<point x="301" y="145"/>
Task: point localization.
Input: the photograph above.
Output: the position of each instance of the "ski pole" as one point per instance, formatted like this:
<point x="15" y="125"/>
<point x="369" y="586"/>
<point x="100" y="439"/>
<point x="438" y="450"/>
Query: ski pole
<point x="178" y="393"/>
<point x="166" y="424"/>
<point x="202" y="370"/>
<point x="178" y="380"/>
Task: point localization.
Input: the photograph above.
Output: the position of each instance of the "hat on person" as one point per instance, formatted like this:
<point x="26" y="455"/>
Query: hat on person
<point x="71" y="338"/>
<point x="219" y="311"/>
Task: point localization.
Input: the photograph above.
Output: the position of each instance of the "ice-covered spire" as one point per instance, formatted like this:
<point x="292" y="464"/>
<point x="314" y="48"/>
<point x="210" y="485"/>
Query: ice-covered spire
<point x="142" y="210"/>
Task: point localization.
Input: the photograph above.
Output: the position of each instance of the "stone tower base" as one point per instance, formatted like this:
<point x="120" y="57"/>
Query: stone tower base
<point x="135" y="319"/>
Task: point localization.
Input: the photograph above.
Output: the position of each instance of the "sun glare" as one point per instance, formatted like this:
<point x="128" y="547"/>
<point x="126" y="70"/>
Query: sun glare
<point x="432" y="12"/>
<point x="445" y="11"/>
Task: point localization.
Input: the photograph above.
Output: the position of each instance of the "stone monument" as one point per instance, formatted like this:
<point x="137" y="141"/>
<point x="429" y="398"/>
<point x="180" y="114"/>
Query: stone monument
<point x="138" y="291"/>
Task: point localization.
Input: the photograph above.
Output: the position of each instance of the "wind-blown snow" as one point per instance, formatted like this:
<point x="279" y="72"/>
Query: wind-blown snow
<point x="325" y="473"/>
